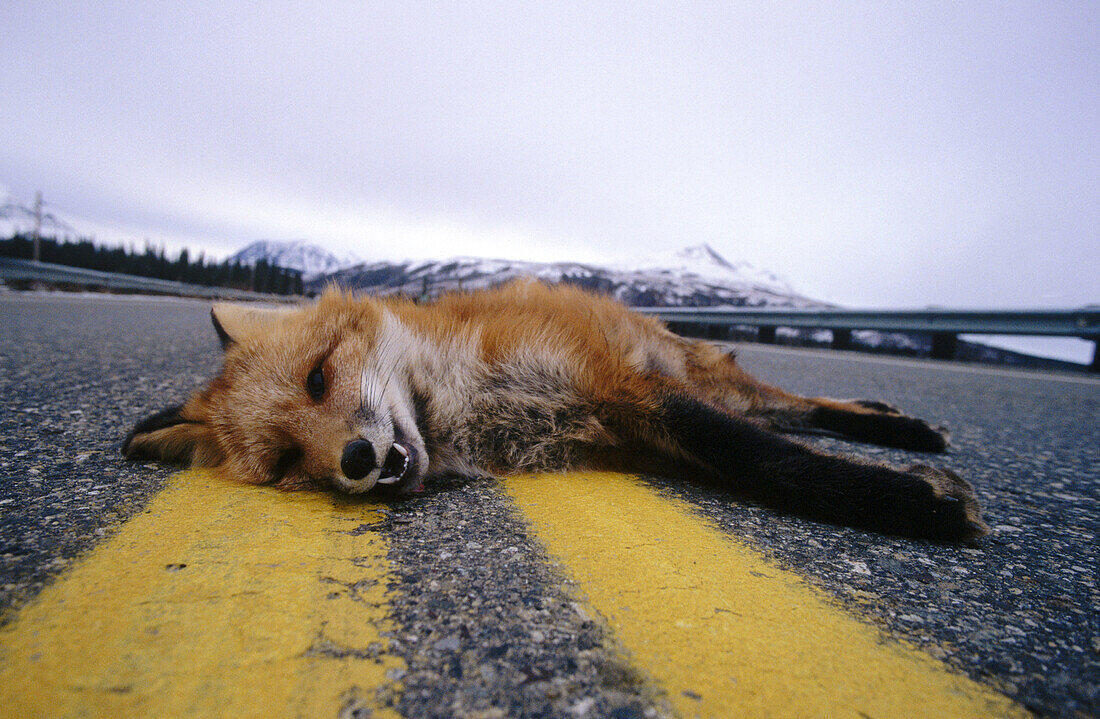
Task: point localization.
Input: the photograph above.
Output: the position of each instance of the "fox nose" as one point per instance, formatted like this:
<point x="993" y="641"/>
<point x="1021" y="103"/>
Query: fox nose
<point x="358" y="459"/>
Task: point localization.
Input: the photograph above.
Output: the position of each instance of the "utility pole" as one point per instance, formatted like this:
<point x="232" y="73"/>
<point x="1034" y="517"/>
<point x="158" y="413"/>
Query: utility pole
<point x="37" y="224"/>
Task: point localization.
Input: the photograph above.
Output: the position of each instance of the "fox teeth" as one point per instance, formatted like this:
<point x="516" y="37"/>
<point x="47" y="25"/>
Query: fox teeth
<point x="396" y="476"/>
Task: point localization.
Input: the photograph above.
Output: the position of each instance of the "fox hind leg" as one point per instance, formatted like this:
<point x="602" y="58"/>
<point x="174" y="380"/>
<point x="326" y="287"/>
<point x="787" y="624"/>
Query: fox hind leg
<point x="918" y="501"/>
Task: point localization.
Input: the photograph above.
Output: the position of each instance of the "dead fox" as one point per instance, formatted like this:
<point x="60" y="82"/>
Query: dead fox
<point x="353" y="392"/>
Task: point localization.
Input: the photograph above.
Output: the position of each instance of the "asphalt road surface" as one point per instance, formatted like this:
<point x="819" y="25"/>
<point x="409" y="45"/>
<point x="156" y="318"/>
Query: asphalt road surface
<point x="487" y="624"/>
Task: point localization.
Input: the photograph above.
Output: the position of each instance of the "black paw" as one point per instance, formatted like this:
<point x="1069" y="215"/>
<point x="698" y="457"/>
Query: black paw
<point x="942" y="506"/>
<point x="888" y="430"/>
<point x="916" y="434"/>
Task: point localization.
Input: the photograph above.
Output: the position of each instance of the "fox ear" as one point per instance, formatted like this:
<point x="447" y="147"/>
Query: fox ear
<point x="169" y="436"/>
<point x="232" y="322"/>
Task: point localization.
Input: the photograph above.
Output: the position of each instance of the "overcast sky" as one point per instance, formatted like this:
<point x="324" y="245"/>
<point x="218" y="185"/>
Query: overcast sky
<point x="875" y="155"/>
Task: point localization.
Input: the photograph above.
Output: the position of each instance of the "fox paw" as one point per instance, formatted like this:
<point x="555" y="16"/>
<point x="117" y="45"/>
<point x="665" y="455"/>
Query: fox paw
<point x="883" y="428"/>
<point x="950" y="510"/>
<point x="922" y="434"/>
<point x="926" y="437"/>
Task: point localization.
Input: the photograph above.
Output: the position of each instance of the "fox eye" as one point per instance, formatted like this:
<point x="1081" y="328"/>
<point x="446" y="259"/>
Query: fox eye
<point x="315" y="384"/>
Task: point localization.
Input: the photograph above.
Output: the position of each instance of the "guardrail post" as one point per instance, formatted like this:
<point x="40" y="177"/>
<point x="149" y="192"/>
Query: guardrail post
<point x="944" y="345"/>
<point x="1095" y="366"/>
<point x="842" y="339"/>
<point x="766" y="335"/>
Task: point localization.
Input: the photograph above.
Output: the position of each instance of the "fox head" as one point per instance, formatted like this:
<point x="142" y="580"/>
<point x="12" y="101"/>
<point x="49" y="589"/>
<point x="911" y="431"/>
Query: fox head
<point x="307" y="397"/>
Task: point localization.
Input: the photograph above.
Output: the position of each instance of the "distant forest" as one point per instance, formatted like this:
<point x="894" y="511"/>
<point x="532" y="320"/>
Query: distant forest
<point x="153" y="262"/>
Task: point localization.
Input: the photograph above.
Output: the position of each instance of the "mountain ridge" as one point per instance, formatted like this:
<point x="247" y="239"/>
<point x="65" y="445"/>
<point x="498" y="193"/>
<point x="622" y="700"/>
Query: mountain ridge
<point x="310" y="259"/>
<point x="696" y="276"/>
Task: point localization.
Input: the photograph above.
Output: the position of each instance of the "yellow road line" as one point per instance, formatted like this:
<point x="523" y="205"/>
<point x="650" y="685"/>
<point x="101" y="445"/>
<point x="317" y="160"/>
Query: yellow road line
<point x="725" y="632"/>
<point x="218" y="600"/>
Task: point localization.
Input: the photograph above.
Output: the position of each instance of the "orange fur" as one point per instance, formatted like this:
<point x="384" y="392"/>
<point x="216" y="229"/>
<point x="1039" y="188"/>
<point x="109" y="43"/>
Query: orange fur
<point x="353" y="391"/>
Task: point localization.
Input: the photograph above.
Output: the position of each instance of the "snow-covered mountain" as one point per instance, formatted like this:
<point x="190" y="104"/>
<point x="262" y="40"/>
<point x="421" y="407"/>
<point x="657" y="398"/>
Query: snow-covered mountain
<point x="309" y="259"/>
<point x="693" y="277"/>
<point x="702" y="261"/>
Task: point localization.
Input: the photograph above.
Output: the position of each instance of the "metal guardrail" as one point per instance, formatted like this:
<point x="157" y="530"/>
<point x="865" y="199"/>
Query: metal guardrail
<point x="12" y="269"/>
<point x="943" y="325"/>
<point x="1063" y="323"/>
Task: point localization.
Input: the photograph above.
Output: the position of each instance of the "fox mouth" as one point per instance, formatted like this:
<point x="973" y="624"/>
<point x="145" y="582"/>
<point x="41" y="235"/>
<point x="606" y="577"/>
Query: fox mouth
<point x="400" y="463"/>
